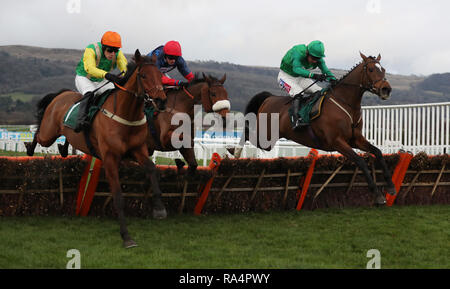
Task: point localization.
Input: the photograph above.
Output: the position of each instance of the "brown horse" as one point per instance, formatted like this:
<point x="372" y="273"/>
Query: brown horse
<point x="123" y="132"/>
<point x="339" y="126"/>
<point x="208" y="91"/>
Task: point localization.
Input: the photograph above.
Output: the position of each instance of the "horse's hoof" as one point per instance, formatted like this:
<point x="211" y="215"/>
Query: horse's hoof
<point x="391" y="191"/>
<point x="159" y="214"/>
<point x="129" y="244"/>
<point x="380" y="201"/>
<point x="63" y="152"/>
<point x="28" y="147"/>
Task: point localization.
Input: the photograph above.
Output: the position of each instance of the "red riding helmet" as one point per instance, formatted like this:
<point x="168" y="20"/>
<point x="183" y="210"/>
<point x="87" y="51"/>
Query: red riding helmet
<point x="172" y="48"/>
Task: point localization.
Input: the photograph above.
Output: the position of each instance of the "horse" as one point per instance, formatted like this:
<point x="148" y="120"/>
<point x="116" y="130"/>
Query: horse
<point x="339" y="127"/>
<point x="210" y="92"/>
<point x="112" y="135"/>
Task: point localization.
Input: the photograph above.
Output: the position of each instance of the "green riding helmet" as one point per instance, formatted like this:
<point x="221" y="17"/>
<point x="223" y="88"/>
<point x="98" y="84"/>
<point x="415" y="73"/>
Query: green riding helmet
<point x="316" y="49"/>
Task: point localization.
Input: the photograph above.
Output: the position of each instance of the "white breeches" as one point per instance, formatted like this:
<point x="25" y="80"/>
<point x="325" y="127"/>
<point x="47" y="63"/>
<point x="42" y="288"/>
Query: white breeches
<point x="84" y="84"/>
<point x="295" y="85"/>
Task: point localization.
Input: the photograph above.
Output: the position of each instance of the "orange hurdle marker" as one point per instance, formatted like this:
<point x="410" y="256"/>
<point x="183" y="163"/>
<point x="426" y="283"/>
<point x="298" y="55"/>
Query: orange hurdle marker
<point x="305" y="181"/>
<point x="213" y="166"/>
<point x="399" y="175"/>
<point x="88" y="185"/>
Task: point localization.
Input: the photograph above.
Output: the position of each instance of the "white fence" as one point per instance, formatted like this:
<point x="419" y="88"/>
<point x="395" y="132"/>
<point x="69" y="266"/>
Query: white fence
<point x="415" y="128"/>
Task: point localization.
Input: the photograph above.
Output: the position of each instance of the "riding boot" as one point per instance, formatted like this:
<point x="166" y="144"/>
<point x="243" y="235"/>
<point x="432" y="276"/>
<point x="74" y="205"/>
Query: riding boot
<point x="297" y="122"/>
<point x="83" y="109"/>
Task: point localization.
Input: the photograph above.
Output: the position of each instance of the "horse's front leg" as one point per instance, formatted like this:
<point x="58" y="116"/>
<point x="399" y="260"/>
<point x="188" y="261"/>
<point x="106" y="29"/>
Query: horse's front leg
<point x="189" y="156"/>
<point x="345" y="149"/>
<point x="364" y="145"/>
<point x="141" y="155"/>
<point x="111" y="165"/>
<point x="64" y="149"/>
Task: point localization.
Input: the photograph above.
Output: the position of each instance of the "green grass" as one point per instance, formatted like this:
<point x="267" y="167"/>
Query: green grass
<point x="407" y="237"/>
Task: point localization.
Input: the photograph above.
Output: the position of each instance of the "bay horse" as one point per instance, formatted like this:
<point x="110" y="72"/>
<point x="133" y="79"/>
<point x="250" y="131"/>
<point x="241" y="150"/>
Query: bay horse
<point x="339" y="128"/>
<point x="110" y="139"/>
<point x="210" y="92"/>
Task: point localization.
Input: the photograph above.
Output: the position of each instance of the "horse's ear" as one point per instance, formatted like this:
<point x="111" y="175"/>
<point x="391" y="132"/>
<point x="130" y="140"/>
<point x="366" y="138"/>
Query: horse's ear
<point x="223" y="78"/>
<point x="363" y="56"/>
<point x="137" y="56"/>
<point x="154" y="58"/>
<point x="206" y="78"/>
<point x="379" y="57"/>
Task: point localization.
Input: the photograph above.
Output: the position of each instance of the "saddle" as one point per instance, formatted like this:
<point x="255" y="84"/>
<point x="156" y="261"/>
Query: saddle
<point x="311" y="109"/>
<point x="71" y="116"/>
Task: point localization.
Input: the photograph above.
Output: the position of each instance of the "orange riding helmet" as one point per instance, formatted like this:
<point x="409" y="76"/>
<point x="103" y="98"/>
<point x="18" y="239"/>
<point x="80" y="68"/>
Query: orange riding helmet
<point x="111" y="39"/>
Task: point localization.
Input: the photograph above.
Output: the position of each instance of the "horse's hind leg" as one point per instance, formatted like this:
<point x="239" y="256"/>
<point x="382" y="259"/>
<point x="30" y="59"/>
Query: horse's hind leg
<point x="31" y="146"/>
<point x="364" y="145"/>
<point x="189" y="155"/>
<point x="348" y="152"/>
<point x="159" y="211"/>
<point x="111" y="163"/>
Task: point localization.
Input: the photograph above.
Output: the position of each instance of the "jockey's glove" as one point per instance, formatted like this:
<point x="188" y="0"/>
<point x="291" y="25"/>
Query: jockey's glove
<point x="319" y="77"/>
<point x="113" y="78"/>
<point x="183" y="84"/>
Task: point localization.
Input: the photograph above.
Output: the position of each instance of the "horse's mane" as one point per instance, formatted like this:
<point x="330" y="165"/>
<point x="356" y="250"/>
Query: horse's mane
<point x="351" y="70"/>
<point x="197" y="79"/>
<point x="131" y="67"/>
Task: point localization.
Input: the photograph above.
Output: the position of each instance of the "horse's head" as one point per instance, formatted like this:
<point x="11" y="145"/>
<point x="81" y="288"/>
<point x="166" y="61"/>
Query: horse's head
<point x="149" y="80"/>
<point x="214" y="96"/>
<point x="374" y="79"/>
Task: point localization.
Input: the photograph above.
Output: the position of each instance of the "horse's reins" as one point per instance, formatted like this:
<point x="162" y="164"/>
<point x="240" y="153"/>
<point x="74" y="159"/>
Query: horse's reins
<point x="292" y="98"/>
<point x="145" y="96"/>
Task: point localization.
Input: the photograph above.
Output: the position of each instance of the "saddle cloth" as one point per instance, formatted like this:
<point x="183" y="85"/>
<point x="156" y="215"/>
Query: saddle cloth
<point x="310" y="110"/>
<point x="71" y="116"/>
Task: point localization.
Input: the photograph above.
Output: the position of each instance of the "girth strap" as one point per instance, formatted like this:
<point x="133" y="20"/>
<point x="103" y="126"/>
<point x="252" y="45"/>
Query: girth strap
<point x="122" y="120"/>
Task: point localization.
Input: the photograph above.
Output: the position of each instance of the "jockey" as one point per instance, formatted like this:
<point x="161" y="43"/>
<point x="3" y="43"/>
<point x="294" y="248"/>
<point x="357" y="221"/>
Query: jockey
<point x="294" y="76"/>
<point x="93" y="72"/>
<point x="169" y="57"/>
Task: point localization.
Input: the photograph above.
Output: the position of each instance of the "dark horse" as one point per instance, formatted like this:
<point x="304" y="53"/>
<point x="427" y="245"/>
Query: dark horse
<point x="208" y="91"/>
<point x="339" y="126"/>
<point x="111" y="139"/>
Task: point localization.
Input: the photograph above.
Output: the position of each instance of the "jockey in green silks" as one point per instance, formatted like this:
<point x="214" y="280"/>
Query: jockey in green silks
<point x="295" y="75"/>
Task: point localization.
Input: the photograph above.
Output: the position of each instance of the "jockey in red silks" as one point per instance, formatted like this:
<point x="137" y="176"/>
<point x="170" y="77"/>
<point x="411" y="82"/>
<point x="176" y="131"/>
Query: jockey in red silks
<point x="168" y="57"/>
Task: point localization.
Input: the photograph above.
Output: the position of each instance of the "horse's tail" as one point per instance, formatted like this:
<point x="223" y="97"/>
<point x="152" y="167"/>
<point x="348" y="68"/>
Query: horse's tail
<point x="252" y="107"/>
<point x="43" y="103"/>
<point x="255" y="103"/>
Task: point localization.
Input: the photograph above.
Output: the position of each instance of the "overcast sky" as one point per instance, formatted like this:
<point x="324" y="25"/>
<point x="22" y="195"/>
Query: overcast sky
<point x="412" y="35"/>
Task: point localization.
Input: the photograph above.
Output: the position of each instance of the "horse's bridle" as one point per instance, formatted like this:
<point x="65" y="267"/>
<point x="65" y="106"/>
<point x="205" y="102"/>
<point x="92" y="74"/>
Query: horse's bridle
<point x="141" y="92"/>
<point x="209" y="94"/>
<point x="371" y="86"/>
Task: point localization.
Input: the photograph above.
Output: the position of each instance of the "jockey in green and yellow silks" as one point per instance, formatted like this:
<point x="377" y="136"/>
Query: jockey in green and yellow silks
<point x="93" y="71"/>
<point x="295" y="76"/>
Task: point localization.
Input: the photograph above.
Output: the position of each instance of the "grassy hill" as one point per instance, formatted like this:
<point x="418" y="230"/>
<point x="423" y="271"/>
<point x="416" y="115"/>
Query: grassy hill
<point x="27" y="73"/>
